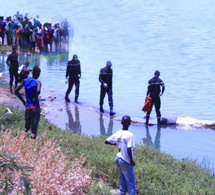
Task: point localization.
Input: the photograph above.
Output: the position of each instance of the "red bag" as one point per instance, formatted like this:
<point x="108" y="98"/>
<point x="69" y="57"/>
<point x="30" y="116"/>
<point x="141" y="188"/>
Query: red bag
<point x="147" y="105"/>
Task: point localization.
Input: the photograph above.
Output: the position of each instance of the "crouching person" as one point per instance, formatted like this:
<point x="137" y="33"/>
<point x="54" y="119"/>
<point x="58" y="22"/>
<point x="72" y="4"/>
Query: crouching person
<point x="23" y="71"/>
<point x="32" y="90"/>
<point x="124" y="140"/>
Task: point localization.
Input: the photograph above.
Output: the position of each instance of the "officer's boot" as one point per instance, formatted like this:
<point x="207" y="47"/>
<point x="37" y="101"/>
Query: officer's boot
<point x="11" y="89"/>
<point x="76" y="99"/>
<point x="111" y="111"/>
<point x="67" y="98"/>
<point x="101" y="109"/>
<point x="158" y="120"/>
<point x="147" y="120"/>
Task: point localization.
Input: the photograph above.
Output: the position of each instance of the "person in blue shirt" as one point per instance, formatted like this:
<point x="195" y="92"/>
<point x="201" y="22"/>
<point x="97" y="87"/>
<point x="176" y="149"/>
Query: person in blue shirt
<point x="32" y="90"/>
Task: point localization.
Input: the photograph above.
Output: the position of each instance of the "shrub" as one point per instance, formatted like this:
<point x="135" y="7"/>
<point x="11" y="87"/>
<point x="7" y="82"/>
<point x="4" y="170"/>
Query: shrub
<point x="54" y="173"/>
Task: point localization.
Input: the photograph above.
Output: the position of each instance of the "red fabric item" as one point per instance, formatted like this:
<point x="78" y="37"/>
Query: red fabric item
<point x="147" y="105"/>
<point x="39" y="42"/>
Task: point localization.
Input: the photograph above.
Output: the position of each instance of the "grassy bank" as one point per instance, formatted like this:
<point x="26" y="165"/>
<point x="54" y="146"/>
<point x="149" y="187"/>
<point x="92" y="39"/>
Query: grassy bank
<point x="156" y="172"/>
<point x="5" y="49"/>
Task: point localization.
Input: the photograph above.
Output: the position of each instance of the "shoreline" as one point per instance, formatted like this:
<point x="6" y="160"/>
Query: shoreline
<point x="54" y="108"/>
<point x="70" y="116"/>
<point x="7" y="49"/>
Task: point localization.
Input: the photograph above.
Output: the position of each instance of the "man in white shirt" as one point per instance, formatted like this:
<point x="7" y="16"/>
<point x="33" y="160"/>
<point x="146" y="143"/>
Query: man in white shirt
<point x="124" y="140"/>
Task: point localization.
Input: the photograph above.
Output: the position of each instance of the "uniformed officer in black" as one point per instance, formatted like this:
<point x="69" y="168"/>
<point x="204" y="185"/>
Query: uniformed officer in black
<point x="74" y="72"/>
<point x="12" y="62"/>
<point x="105" y="78"/>
<point x="155" y="92"/>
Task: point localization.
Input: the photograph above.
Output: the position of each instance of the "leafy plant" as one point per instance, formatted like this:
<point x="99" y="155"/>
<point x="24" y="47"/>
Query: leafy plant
<point x="8" y="166"/>
<point x="99" y="190"/>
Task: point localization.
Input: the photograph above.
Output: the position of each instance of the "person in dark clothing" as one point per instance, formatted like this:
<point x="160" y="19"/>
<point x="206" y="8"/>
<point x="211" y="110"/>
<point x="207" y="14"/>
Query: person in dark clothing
<point x="9" y="34"/>
<point x="105" y="78"/>
<point x="155" y="92"/>
<point x="2" y="29"/>
<point x="27" y="36"/>
<point x="74" y="72"/>
<point x="46" y="37"/>
<point x="14" y="64"/>
<point x="51" y="36"/>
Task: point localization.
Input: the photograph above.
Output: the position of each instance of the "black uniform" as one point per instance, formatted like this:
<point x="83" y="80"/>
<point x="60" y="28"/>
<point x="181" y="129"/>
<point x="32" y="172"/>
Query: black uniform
<point x="105" y="76"/>
<point x="13" y="58"/>
<point x="73" y="71"/>
<point x="154" y="85"/>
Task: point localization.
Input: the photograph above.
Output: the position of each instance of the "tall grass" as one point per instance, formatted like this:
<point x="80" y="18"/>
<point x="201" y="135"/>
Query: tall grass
<point x="53" y="172"/>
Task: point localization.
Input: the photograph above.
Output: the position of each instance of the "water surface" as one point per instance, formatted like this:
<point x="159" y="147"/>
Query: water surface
<point x="139" y="37"/>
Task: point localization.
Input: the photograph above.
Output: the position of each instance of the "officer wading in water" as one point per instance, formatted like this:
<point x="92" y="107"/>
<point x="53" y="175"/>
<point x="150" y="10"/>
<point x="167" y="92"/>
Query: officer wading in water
<point x="74" y="72"/>
<point x="153" y="91"/>
<point x="105" y="78"/>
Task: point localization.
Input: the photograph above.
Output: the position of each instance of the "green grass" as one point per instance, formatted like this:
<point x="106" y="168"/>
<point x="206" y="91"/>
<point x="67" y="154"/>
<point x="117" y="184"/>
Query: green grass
<point x="6" y="48"/>
<point x="4" y="85"/>
<point x="155" y="172"/>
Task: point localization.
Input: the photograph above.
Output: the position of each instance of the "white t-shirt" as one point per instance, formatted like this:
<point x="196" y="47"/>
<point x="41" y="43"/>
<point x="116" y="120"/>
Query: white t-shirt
<point x="21" y="69"/>
<point x="123" y="139"/>
<point x="39" y="33"/>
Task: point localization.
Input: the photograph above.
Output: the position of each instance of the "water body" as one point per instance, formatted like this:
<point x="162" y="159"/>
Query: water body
<point x="139" y="37"/>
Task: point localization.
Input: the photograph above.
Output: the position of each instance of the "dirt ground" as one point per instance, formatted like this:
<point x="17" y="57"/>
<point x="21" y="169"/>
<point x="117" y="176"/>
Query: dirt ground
<point x="9" y="99"/>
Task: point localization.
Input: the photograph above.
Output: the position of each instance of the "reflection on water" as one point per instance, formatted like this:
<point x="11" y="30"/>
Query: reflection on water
<point x="73" y="124"/>
<point x="102" y="127"/>
<point x="44" y="62"/>
<point x="3" y="64"/>
<point x="148" y="139"/>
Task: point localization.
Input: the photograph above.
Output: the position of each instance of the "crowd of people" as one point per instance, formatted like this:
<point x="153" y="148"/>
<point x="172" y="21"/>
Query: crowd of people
<point x="29" y="33"/>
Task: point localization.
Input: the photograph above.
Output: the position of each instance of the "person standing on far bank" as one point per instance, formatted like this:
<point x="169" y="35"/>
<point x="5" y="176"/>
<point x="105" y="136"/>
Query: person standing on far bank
<point x="74" y="72"/>
<point x="105" y="78"/>
<point x="14" y="65"/>
<point x="155" y="92"/>
<point x="124" y="140"/>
